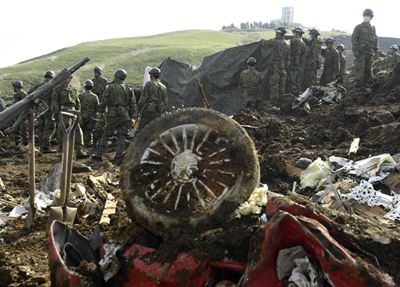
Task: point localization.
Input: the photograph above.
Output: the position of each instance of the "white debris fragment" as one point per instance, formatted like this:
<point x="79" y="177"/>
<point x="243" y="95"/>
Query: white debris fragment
<point x="2" y="186"/>
<point x="315" y="174"/>
<point x="304" y="274"/>
<point x="110" y="265"/>
<point x="257" y="200"/>
<point x="18" y="211"/>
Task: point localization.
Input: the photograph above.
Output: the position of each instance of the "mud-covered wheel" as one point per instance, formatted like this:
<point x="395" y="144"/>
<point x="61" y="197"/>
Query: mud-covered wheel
<point x="190" y="168"/>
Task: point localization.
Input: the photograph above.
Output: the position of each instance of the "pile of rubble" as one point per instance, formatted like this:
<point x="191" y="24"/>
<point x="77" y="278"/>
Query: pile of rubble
<point x="327" y="216"/>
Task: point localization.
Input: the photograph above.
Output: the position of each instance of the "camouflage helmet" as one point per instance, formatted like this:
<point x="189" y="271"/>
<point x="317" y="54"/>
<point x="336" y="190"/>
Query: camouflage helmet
<point x="314" y="31"/>
<point x="98" y="69"/>
<point x="251" y="61"/>
<point x="155" y="71"/>
<point x="341" y="47"/>
<point x="17" y="84"/>
<point x="329" y="40"/>
<point x="368" y="12"/>
<point x="88" y="84"/>
<point x="120" y="74"/>
<point x="281" y="30"/>
<point x="394" y="47"/>
<point x="298" y="30"/>
<point x="49" y="74"/>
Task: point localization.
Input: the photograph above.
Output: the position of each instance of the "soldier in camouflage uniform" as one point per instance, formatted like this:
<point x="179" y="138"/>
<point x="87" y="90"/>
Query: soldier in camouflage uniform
<point x="121" y="108"/>
<point x="280" y="63"/>
<point x="342" y="63"/>
<point x="89" y="107"/>
<point x="100" y="83"/>
<point x="312" y="63"/>
<point x="298" y="50"/>
<point x="65" y="97"/>
<point x="392" y="57"/>
<point x="46" y="124"/>
<point x="365" y="45"/>
<point x="250" y="82"/>
<point x="153" y="102"/>
<point x="20" y="132"/>
<point x="331" y="63"/>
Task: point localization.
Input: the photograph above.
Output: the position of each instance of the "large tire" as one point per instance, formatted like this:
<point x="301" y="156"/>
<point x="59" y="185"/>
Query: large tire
<point x="190" y="168"/>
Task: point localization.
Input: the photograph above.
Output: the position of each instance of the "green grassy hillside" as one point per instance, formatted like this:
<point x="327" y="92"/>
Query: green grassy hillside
<point x="132" y="54"/>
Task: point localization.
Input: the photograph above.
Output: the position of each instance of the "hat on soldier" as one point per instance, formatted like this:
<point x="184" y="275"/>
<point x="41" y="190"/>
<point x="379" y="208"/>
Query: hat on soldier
<point x="120" y="74"/>
<point x="281" y="30"/>
<point x="368" y="12"/>
<point x="251" y="61"/>
<point x="155" y="71"/>
<point x="329" y="40"/>
<point x="88" y="83"/>
<point x="341" y="47"/>
<point x="17" y="84"/>
<point x="298" y="30"/>
<point x="49" y="74"/>
<point x="98" y="69"/>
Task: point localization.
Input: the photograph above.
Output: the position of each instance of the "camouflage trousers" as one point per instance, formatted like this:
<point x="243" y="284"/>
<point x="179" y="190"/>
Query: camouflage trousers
<point x="21" y="133"/>
<point x="293" y="83"/>
<point x="362" y="68"/>
<point x="88" y="125"/>
<point x="118" y="125"/>
<point x="277" y="83"/>
<point x="147" y="117"/>
<point x="308" y="78"/>
<point x="46" y="128"/>
<point x="98" y="128"/>
<point x="248" y="99"/>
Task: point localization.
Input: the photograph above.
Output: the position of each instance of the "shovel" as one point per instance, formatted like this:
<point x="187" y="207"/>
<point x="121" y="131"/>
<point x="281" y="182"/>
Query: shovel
<point x="64" y="213"/>
<point x="29" y="223"/>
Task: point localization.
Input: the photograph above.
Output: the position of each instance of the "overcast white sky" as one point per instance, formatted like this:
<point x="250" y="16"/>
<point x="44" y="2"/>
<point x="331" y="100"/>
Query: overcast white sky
<point x="30" y="28"/>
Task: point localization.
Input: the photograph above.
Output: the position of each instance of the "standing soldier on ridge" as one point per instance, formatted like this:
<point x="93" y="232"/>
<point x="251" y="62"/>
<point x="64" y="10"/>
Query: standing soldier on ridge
<point x="313" y="62"/>
<point x="365" y="45"/>
<point x="65" y="97"/>
<point x="280" y="63"/>
<point x="121" y="108"/>
<point x="20" y="132"/>
<point x="298" y="50"/>
<point x="331" y="63"/>
<point x="392" y="57"/>
<point x="47" y="124"/>
<point x="342" y="63"/>
<point x="99" y="86"/>
<point x="89" y="106"/>
<point x="153" y="102"/>
<point x="250" y="82"/>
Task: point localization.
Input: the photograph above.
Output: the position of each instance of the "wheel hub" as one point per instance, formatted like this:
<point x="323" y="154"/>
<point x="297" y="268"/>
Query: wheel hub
<point x="184" y="165"/>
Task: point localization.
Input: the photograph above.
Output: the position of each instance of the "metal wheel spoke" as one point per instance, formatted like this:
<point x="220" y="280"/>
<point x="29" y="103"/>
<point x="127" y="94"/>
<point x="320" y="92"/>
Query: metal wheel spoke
<point x="175" y="141"/>
<point x="217" y="152"/>
<point x="178" y="197"/>
<point x="166" y="146"/>
<point x="169" y="194"/>
<point x="208" y="190"/>
<point x="193" y="139"/>
<point x="202" y="203"/>
<point x="205" y="138"/>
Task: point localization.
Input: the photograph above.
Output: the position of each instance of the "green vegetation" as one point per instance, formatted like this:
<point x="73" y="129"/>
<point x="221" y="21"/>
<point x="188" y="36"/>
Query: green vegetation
<point x="132" y="54"/>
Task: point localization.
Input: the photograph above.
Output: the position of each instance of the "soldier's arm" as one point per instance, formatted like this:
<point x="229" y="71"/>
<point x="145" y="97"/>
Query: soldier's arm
<point x="145" y="95"/>
<point x="376" y="46"/>
<point x="354" y="39"/>
<point x="105" y="99"/>
<point x="336" y="62"/>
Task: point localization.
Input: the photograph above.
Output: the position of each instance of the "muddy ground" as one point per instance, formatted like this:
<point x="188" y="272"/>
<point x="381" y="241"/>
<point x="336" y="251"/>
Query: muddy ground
<point x="281" y="138"/>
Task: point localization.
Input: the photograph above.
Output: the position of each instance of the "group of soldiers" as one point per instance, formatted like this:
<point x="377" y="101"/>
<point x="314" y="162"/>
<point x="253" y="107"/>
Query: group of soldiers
<point x="295" y="62"/>
<point x="106" y="108"/>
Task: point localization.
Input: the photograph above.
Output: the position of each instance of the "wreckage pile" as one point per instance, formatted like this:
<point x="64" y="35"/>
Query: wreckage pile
<point x="331" y="165"/>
